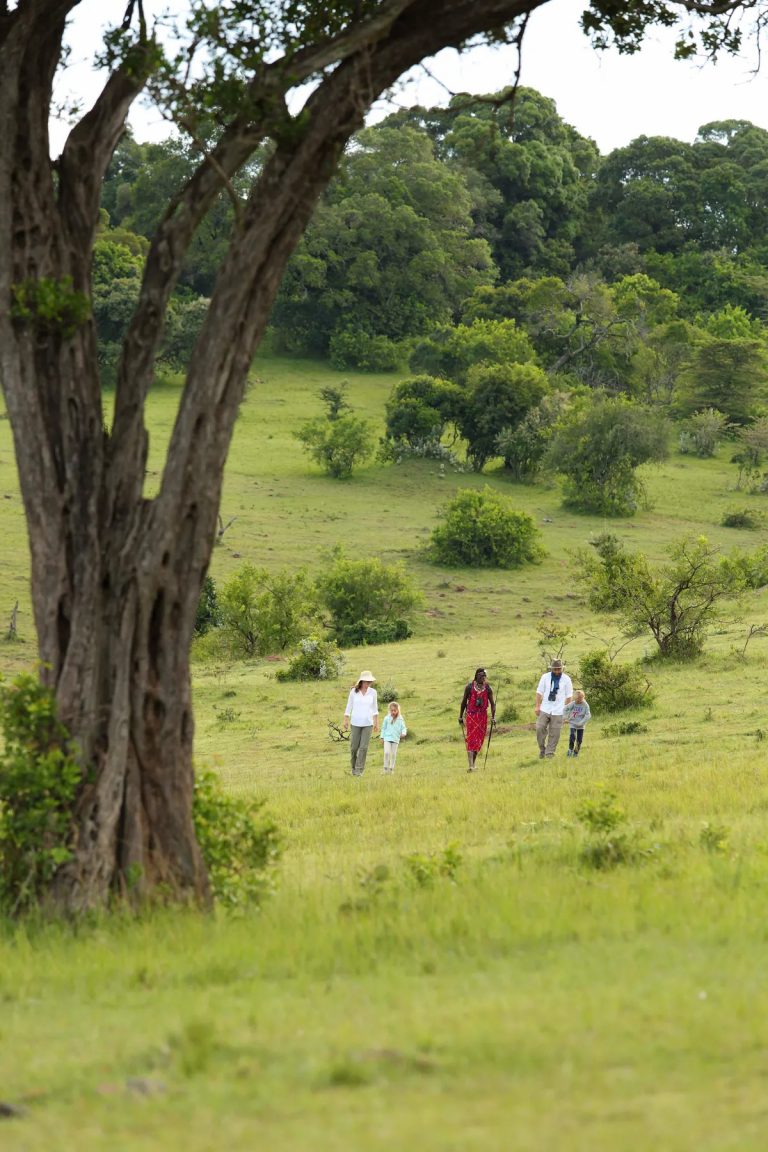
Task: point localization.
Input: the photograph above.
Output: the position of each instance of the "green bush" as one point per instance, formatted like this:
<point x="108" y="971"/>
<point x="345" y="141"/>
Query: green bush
<point x="208" y="615"/>
<point x="741" y="518"/>
<point x="337" y="445"/>
<point x="262" y="612"/>
<point x="481" y="529"/>
<point x="39" y="779"/>
<point x="369" y="602"/>
<point x="240" y="845"/>
<point x="702" y="433"/>
<point x="351" y="348"/>
<point x="315" y="659"/>
<point x="613" y="687"/>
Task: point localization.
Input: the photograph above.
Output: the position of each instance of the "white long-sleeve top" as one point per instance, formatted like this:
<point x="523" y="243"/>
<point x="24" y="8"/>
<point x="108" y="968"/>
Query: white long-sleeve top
<point x="362" y="707"/>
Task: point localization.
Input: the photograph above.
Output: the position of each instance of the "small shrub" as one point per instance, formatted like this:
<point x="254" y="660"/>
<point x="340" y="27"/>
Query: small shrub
<point x="625" y="728"/>
<point x="613" y="687"/>
<point x="373" y="632"/>
<point x="369" y="602"/>
<point x="315" y="659"/>
<point x="39" y="779"/>
<point x="337" y="445"/>
<point x="714" y="838"/>
<point x="741" y="518"/>
<point x="481" y="529"/>
<point x="609" y="844"/>
<point x="387" y="693"/>
<point x="509" y="713"/>
<point x="240" y="845"/>
<point x="702" y="433"/>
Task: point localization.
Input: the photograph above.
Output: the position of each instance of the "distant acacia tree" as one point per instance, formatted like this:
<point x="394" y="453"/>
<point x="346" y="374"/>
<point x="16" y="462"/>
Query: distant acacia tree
<point x="675" y="603"/>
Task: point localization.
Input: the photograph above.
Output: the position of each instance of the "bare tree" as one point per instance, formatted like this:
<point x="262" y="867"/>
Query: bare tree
<point x="115" y="575"/>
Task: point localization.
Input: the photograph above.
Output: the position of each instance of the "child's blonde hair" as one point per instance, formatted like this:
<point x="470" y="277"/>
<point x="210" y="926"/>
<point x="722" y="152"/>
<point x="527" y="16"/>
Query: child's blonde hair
<point x="579" y="694"/>
<point x="399" y="710"/>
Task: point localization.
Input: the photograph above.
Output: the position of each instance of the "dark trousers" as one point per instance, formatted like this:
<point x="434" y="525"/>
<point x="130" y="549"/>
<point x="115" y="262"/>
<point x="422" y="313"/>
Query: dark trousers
<point x="575" y="737"/>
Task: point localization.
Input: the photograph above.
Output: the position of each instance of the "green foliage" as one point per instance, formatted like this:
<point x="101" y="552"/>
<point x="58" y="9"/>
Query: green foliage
<point x="451" y="351"/>
<point x="426" y="869"/>
<point x="390" y="253"/>
<point x="315" y="659"/>
<point x="742" y="518"/>
<point x="338" y="445"/>
<point x="50" y="305"/>
<point x="240" y="845"/>
<point x="39" y="779"/>
<point x="263" y="612"/>
<point x="481" y="529"/>
<point x="525" y="446"/>
<point x="608" y="843"/>
<point x="713" y="838"/>
<point x="625" y="728"/>
<point x="419" y="408"/>
<point x="702" y="433"/>
<point x="352" y="348"/>
<point x="675" y="604"/>
<point x="730" y="374"/>
<point x="208" y="615"/>
<point x="368" y="601"/>
<point x="498" y="396"/>
<point x="610" y="686"/>
<point x="598" y="450"/>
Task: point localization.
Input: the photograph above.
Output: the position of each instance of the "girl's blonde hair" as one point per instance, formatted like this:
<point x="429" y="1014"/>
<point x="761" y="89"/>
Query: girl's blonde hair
<point x="579" y="692"/>
<point x="399" y="709"/>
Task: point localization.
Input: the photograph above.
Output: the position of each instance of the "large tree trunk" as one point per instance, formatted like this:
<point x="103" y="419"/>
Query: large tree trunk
<point x="115" y="576"/>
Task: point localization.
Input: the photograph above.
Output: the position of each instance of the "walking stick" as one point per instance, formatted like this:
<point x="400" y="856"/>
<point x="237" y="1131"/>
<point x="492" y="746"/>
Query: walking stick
<point x="490" y="733"/>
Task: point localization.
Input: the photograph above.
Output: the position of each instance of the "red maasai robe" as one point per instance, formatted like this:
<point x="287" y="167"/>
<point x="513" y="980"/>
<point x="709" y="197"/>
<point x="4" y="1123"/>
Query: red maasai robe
<point x="476" y="717"/>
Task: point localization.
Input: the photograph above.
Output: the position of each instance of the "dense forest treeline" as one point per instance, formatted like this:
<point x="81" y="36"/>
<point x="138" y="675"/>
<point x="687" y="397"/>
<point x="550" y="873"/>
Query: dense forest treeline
<point x="491" y="247"/>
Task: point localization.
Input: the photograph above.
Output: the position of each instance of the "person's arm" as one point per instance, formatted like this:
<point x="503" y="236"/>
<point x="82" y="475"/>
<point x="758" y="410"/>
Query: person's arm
<point x="375" y="712"/>
<point x="567" y="711"/>
<point x="464" y="702"/>
<point x="588" y="713"/>
<point x="492" y="703"/>
<point x="539" y="698"/>
<point x="348" y="711"/>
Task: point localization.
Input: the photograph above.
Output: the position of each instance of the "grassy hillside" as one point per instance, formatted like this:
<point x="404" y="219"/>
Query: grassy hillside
<point x="439" y="968"/>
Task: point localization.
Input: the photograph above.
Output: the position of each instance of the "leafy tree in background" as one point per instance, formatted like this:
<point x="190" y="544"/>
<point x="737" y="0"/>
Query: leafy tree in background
<point x="675" y="603"/>
<point x="261" y="612"/>
<point x="115" y="576"/>
<point x="389" y="254"/>
<point x="529" y="173"/>
<point x="420" y="408"/>
<point x="497" y="396"/>
<point x="598" y="451"/>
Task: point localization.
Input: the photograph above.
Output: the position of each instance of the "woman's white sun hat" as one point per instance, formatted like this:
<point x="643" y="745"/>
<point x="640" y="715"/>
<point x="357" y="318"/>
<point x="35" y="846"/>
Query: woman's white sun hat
<point x="368" y="676"/>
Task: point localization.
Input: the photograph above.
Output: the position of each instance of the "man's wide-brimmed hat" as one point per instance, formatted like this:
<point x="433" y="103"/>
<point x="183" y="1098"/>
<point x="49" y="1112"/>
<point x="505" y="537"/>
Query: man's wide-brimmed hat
<point x="557" y="664"/>
<point x="367" y="675"/>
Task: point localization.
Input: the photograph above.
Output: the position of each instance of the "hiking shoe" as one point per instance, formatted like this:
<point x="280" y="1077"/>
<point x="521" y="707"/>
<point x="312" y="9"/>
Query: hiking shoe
<point x="570" y="752"/>
<point x="542" y="755"/>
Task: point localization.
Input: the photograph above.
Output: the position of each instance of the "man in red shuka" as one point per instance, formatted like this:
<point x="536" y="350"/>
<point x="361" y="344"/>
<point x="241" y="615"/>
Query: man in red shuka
<point x="478" y="696"/>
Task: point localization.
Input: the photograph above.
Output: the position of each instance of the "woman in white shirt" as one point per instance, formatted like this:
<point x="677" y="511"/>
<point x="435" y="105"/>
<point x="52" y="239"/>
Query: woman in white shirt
<point x="362" y="715"/>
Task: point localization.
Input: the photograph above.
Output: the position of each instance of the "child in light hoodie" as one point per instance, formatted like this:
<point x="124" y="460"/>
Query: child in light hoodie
<point x="392" y="730"/>
<point x="577" y="714"/>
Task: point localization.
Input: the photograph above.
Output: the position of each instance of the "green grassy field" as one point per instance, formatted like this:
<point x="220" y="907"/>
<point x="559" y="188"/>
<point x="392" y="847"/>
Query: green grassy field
<point x="438" y="968"/>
